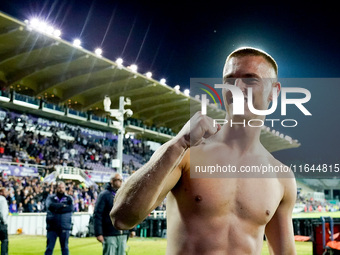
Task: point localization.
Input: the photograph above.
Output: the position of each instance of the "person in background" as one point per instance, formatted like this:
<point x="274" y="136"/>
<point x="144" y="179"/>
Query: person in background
<point x="13" y="207"/>
<point x="39" y="207"/>
<point x="59" y="208"/>
<point x="32" y="206"/>
<point x="113" y="240"/>
<point x="3" y="221"/>
<point x="20" y="208"/>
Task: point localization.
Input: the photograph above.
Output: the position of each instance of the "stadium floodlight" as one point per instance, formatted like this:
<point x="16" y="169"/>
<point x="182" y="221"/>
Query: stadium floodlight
<point x="57" y="33"/>
<point x="49" y="30"/>
<point x="162" y="81"/>
<point x="186" y="92"/>
<point x="177" y="89"/>
<point x="77" y="42"/>
<point x="148" y="75"/>
<point x="134" y="68"/>
<point x="119" y="61"/>
<point x="98" y="51"/>
<point x="34" y="23"/>
<point x="42" y="26"/>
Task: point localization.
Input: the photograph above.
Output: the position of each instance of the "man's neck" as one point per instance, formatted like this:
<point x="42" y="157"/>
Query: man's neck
<point x="240" y="137"/>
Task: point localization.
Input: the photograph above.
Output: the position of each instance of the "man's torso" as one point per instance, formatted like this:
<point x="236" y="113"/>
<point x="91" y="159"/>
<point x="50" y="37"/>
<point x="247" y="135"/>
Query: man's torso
<point x="221" y="215"/>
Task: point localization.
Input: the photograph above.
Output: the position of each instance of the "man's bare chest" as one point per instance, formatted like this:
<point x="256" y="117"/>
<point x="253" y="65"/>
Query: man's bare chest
<point x="249" y="199"/>
<point x="246" y="196"/>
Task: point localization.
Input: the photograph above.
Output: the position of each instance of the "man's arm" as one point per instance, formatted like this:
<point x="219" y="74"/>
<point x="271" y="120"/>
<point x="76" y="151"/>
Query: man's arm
<point x="56" y="207"/>
<point x="279" y="231"/>
<point x="148" y="186"/>
<point x="68" y="207"/>
<point x="49" y="204"/>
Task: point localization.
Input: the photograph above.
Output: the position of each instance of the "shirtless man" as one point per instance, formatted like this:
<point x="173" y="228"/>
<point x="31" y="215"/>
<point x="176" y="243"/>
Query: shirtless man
<point x="216" y="216"/>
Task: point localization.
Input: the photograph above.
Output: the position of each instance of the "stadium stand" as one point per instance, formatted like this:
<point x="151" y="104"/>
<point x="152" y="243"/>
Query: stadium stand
<point x="24" y="141"/>
<point x="28" y="142"/>
<point x="28" y="194"/>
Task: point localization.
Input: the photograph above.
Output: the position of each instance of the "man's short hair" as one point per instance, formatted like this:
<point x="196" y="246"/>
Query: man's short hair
<point x="113" y="176"/>
<point x="249" y="51"/>
<point x="60" y="182"/>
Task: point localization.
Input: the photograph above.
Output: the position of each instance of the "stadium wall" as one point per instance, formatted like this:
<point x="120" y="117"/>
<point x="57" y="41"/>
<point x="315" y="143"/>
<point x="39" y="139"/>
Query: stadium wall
<point x="35" y="223"/>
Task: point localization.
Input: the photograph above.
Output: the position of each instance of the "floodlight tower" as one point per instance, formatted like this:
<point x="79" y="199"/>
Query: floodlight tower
<point x="119" y="115"/>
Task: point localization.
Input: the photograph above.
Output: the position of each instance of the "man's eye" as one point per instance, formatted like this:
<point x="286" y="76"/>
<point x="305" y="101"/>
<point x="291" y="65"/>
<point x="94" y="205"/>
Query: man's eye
<point x="250" y="81"/>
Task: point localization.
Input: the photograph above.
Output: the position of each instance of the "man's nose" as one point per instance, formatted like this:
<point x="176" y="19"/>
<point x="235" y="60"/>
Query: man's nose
<point x="240" y="84"/>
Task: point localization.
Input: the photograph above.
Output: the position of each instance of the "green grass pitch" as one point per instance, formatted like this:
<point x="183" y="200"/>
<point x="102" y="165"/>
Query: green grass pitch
<point x="33" y="245"/>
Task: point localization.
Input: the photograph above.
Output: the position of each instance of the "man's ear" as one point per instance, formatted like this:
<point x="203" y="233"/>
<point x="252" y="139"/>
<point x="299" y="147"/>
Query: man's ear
<point x="276" y="85"/>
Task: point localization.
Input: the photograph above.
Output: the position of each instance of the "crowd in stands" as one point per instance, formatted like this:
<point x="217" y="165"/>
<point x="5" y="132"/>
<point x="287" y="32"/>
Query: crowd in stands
<point x="28" y="194"/>
<point x="25" y="142"/>
<point x="310" y="204"/>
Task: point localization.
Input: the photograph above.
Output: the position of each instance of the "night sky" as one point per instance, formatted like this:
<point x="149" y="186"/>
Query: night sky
<point x="179" y="40"/>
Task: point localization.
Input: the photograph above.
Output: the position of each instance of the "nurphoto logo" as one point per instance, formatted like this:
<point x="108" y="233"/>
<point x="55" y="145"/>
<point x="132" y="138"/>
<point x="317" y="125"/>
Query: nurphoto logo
<point x="239" y="99"/>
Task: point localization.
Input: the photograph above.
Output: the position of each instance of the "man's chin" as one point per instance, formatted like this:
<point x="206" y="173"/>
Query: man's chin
<point x="246" y="118"/>
<point x="243" y="117"/>
<point x="60" y="194"/>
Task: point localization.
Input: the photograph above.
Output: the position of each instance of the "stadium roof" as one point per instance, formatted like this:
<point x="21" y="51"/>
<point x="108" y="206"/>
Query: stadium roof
<point x="320" y="184"/>
<point x="35" y="61"/>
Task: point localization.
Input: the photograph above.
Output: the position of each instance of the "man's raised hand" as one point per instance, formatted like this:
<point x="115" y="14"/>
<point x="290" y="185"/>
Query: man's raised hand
<point x="198" y="128"/>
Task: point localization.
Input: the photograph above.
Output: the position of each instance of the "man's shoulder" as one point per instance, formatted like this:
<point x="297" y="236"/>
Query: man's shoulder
<point x="286" y="177"/>
<point x="206" y="149"/>
<point x="283" y="170"/>
<point x="69" y="197"/>
<point x="51" y="196"/>
<point x="104" y="193"/>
